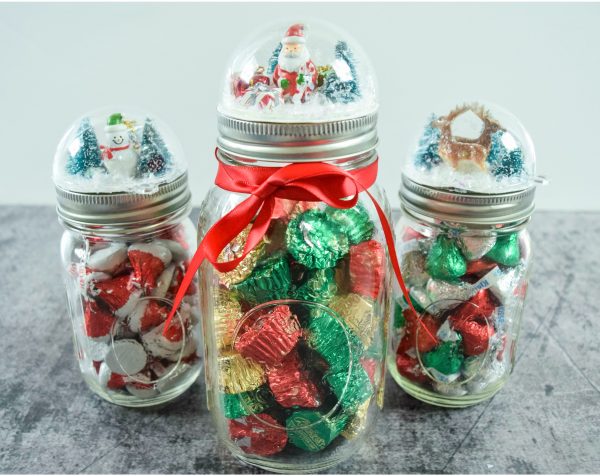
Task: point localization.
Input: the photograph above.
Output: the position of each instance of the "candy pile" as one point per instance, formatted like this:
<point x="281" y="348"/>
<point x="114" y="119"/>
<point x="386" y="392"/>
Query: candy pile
<point x="467" y="290"/>
<point x="125" y="291"/>
<point x="299" y="372"/>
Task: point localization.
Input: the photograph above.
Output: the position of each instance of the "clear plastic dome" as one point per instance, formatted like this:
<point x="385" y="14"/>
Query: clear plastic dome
<point x="475" y="147"/>
<point x="299" y="72"/>
<point x="117" y="150"/>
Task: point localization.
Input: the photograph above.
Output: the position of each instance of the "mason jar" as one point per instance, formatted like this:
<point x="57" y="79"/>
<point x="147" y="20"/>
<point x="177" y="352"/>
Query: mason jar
<point x="123" y="198"/>
<point x="467" y="196"/>
<point x="296" y="287"/>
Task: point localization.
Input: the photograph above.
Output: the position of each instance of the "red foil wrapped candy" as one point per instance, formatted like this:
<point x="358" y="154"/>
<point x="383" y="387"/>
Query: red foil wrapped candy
<point x="421" y="333"/>
<point x="476" y="336"/>
<point x="98" y="322"/>
<point x="118" y="294"/>
<point x="409" y="367"/>
<point x="291" y="385"/>
<point x="148" y="260"/>
<point x="258" y="434"/>
<point x="271" y="337"/>
<point x="367" y="268"/>
<point x="479" y="308"/>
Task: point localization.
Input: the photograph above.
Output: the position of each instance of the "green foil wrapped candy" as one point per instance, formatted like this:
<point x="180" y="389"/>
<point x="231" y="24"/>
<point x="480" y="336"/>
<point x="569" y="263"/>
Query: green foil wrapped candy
<point x="399" y="319"/>
<point x="353" y="390"/>
<point x="236" y="405"/>
<point x="445" y="260"/>
<point x="354" y="222"/>
<point x="311" y="430"/>
<point x="320" y="286"/>
<point x="506" y="250"/>
<point x="270" y="280"/>
<point x="315" y="240"/>
<point x="446" y="358"/>
<point x="330" y="337"/>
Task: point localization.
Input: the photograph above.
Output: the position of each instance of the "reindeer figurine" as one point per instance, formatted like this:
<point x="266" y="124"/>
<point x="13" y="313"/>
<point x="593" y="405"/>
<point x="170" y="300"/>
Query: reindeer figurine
<point x="460" y="151"/>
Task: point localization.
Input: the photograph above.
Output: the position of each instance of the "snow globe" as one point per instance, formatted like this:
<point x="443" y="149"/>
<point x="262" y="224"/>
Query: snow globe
<point x="123" y="198"/>
<point x="467" y="196"/>
<point x="295" y="287"/>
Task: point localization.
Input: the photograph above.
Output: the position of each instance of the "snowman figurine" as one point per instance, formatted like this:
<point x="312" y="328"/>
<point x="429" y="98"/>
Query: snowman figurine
<point x="118" y="157"/>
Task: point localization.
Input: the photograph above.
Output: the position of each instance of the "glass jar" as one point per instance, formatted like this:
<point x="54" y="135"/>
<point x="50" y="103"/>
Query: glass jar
<point x="467" y="195"/>
<point x="296" y="332"/>
<point x="295" y="335"/>
<point x="126" y="247"/>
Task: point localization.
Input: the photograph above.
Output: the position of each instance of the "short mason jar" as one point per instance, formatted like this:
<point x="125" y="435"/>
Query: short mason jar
<point x="127" y="243"/>
<point x="465" y="256"/>
<point x="296" y="334"/>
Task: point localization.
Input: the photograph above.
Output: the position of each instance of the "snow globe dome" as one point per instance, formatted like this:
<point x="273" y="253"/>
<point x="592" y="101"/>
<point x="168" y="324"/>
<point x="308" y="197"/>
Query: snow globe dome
<point x="117" y="149"/>
<point x="289" y="79"/>
<point x="474" y="147"/>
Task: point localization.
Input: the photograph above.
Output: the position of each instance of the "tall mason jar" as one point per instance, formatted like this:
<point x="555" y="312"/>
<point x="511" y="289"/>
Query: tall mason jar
<point x="296" y="333"/>
<point x="467" y="196"/>
<point x="123" y="198"/>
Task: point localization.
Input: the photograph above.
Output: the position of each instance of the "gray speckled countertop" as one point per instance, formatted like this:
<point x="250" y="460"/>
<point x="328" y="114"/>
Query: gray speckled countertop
<point x="546" y="419"/>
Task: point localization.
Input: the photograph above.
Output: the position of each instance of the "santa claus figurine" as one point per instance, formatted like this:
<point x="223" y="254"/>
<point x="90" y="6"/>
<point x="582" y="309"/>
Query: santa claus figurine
<point x="295" y="73"/>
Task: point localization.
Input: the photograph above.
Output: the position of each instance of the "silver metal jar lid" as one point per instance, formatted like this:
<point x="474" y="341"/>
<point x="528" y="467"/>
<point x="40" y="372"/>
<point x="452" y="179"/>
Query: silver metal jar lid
<point x="124" y="213"/>
<point x="477" y="210"/>
<point x="297" y="142"/>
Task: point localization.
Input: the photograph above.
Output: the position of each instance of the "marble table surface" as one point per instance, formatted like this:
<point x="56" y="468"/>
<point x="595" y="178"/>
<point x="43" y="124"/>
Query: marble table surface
<point x="546" y="419"/>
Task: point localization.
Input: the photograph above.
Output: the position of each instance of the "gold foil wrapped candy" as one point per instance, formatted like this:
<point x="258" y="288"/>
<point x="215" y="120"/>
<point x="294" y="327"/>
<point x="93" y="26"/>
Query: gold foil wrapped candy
<point x="358" y="422"/>
<point x="357" y="312"/>
<point x="227" y="313"/>
<point x="237" y="374"/>
<point x="234" y="250"/>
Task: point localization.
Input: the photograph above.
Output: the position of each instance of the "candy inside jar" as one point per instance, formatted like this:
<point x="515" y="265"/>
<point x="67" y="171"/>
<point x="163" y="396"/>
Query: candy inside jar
<point x="120" y="294"/>
<point x="123" y="198"/>
<point x="467" y="196"/>
<point x="297" y="333"/>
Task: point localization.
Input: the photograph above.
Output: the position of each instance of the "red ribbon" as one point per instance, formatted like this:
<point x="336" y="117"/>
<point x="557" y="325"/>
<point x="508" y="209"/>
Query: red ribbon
<point x="107" y="152"/>
<point x="315" y="182"/>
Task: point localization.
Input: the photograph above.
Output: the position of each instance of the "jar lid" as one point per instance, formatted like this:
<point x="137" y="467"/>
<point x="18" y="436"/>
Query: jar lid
<point x="298" y="92"/>
<point x="474" y="209"/>
<point x="126" y="213"/>
<point x="118" y="173"/>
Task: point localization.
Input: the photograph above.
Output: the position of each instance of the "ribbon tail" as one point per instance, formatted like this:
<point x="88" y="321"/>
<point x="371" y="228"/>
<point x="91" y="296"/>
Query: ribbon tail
<point x="389" y="239"/>
<point x="193" y="267"/>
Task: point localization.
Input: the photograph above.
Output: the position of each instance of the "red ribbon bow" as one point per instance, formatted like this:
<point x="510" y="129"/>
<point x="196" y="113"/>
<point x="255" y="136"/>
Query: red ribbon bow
<point x="316" y="182"/>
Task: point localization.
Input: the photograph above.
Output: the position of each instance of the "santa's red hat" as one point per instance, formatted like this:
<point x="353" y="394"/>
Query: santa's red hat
<point x="295" y="34"/>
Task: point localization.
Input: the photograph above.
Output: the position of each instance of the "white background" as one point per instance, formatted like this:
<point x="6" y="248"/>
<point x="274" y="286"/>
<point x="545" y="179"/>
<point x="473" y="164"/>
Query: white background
<point x="540" y="61"/>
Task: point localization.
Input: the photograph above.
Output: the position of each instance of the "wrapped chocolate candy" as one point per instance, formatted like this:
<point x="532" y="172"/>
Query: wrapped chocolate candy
<point x="354" y="222"/>
<point x="313" y="431"/>
<point x="269" y="280"/>
<point x="295" y="282"/>
<point x="315" y="240"/>
<point x="123" y="199"/>
<point x="468" y="190"/>
<point x="258" y="434"/>
<point x="238" y="375"/>
<point x="236" y="405"/>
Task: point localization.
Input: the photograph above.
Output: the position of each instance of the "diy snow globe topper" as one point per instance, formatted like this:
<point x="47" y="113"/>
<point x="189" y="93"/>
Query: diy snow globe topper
<point x="115" y="150"/>
<point x="299" y="72"/>
<point x="474" y="147"/>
